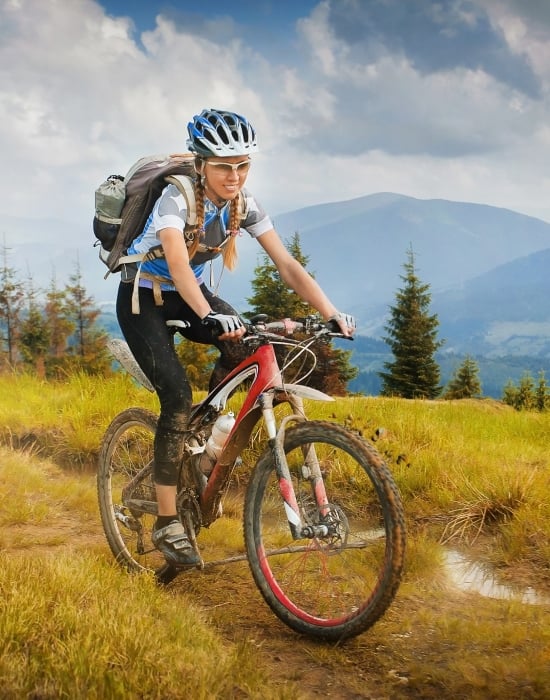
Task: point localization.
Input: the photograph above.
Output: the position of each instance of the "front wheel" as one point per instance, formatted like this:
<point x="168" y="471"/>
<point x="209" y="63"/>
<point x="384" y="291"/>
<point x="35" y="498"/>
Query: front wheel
<point x="335" y="585"/>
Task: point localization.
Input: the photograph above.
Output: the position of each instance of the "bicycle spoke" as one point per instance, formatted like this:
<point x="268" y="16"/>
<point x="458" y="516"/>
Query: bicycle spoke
<point x="126" y="492"/>
<point x="335" y="585"/>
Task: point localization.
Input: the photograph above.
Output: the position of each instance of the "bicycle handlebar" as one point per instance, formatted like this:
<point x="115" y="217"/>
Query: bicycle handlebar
<point x="258" y="325"/>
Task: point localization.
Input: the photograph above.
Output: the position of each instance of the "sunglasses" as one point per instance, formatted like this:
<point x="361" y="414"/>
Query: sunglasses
<point x="227" y="168"/>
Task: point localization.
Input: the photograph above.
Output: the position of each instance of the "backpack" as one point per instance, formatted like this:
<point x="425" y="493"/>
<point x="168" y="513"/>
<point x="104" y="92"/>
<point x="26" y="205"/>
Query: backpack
<point x="123" y="204"/>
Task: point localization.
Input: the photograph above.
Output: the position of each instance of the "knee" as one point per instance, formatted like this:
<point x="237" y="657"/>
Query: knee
<point x="175" y="406"/>
<point x="173" y="421"/>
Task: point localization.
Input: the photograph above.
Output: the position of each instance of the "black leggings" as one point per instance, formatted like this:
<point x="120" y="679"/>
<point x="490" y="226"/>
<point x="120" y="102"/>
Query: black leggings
<point x="152" y="344"/>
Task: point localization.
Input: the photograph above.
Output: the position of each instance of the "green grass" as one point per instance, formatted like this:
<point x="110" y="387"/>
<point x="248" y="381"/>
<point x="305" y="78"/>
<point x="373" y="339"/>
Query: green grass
<point x="74" y="625"/>
<point x="465" y="468"/>
<point x="80" y="628"/>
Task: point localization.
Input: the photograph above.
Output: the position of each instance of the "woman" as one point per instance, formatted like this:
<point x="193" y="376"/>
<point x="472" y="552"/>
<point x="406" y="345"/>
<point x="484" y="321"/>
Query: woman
<point x="222" y="143"/>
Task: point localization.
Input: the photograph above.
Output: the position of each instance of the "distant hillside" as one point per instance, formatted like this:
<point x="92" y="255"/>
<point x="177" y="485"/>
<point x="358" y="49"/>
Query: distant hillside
<point x="516" y="291"/>
<point x="363" y="242"/>
<point x="504" y="311"/>
<point x="486" y="266"/>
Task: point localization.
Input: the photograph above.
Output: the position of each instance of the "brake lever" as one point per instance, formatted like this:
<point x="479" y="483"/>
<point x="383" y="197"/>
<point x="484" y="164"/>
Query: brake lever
<point x="335" y="332"/>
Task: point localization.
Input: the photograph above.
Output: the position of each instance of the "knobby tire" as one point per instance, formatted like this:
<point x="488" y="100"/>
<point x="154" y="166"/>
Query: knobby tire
<point x="126" y="448"/>
<point x="329" y="588"/>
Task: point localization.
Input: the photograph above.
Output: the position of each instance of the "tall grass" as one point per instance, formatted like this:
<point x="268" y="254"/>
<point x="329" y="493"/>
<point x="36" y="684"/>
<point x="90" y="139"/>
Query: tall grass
<point x="464" y="468"/>
<point x="74" y="625"/>
<point x="65" y="419"/>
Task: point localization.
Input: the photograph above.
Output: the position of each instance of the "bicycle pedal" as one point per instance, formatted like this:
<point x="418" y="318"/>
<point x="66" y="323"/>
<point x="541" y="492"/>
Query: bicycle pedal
<point x="166" y="574"/>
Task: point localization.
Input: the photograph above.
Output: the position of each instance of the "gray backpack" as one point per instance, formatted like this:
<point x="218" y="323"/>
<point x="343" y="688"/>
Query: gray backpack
<point x="123" y="204"/>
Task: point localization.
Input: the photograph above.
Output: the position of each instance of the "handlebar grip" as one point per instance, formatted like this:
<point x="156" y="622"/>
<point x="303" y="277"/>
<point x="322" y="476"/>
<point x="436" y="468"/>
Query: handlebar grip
<point x="210" y="322"/>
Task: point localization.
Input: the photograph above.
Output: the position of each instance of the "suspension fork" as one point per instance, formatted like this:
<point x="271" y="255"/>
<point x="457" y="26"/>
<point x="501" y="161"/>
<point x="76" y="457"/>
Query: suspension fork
<point x="310" y="469"/>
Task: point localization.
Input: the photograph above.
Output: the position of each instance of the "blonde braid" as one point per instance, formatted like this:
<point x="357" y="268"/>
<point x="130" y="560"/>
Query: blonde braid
<point x="199" y="207"/>
<point x="230" y="249"/>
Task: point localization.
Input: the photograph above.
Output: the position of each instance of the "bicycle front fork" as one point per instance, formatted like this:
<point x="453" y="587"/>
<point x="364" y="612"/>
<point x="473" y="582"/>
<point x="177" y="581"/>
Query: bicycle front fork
<point x="310" y="469"/>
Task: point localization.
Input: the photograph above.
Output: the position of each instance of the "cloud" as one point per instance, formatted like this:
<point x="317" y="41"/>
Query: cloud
<point x="79" y="97"/>
<point x="429" y="99"/>
<point x="393" y="79"/>
<point x="433" y="37"/>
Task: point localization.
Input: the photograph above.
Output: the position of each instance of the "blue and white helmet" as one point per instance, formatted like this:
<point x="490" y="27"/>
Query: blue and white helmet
<point x="217" y="133"/>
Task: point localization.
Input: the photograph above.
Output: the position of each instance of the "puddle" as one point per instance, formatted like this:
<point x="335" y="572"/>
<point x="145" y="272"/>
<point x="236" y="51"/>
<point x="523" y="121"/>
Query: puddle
<point x="472" y="577"/>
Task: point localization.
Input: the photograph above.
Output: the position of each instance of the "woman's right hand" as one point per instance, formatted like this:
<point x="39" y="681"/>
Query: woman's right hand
<point x="229" y="326"/>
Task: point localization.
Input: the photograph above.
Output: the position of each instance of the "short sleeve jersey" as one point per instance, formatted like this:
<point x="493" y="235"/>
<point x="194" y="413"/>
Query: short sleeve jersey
<point x="170" y="210"/>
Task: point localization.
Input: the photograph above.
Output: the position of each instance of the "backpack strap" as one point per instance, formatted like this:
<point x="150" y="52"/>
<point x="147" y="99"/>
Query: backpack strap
<point x="185" y="186"/>
<point x="243" y="206"/>
<point x="156" y="281"/>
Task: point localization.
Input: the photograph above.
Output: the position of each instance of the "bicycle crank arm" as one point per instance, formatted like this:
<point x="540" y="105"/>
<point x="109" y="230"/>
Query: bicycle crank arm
<point x="141" y="506"/>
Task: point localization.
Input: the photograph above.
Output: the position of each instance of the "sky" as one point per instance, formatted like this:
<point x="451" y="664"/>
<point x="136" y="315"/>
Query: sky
<point x="426" y="98"/>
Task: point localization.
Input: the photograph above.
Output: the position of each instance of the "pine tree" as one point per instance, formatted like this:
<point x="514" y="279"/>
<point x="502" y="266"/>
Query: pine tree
<point x="198" y="361"/>
<point x="465" y="383"/>
<point x="88" y="349"/>
<point x="526" y="399"/>
<point x="412" y="337"/>
<point x="542" y="399"/>
<point x="273" y="297"/>
<point x="12" y="301"/>
<point x="524" y="396"/>
<point x="60" y="326"/>
<point x="35" y="336"/>
<point x="271" y="294"/>
<point x="510" y="394"/>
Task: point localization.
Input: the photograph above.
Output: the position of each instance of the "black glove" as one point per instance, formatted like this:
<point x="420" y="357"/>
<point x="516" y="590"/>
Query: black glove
<point x="344" y="322"/>
<point x="224" y="323"/>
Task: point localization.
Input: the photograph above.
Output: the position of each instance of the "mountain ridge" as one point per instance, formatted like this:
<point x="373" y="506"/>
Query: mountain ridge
<point x="357" y="249"/>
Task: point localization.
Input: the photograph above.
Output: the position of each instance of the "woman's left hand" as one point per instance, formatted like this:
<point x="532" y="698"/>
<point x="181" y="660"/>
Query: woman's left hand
<point x="346" y="323"/>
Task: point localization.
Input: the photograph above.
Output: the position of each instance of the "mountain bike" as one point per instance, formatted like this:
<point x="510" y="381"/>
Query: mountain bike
<point x="323" y="522"/>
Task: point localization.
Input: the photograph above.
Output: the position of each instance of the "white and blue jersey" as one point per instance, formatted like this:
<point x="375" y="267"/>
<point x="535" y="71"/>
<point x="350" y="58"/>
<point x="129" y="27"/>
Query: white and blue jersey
<point x="170" y="211"/>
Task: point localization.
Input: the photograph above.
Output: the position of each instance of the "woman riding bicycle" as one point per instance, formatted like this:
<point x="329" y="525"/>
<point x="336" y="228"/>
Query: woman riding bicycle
<point x="222" y="143"/>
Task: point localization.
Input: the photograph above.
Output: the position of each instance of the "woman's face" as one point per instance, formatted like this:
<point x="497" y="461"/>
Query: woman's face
<point x="226" y="176"/>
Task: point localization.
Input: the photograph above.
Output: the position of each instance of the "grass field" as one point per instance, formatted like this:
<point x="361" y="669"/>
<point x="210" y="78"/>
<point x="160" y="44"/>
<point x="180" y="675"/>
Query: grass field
<point x="474" y="477"/>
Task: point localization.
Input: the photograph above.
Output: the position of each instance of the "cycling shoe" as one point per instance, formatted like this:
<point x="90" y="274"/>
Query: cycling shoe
<point x="174" y="544"/>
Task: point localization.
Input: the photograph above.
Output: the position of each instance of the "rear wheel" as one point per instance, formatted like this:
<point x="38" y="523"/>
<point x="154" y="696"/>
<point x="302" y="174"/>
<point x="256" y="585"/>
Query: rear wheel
<point x="127" y="449"/>
<point x="335" y="585"/>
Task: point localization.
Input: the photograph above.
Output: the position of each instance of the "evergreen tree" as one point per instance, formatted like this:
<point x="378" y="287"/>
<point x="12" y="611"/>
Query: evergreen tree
<point x="465" y="383"/>
<point x="198" y="361"/>
<point x="333" y="371"/>
<point x="526" y="399"/>
<point x="273" y="297"/>
<point x="88" y="349"/>
<point x="271" y="294"/>
<point x="542" y="399"/>
<point x="510" y="394"/>
<point x="412" y="337"/>
<point x="35" y="336"/>
<point x="524" y="396"/>
<point x="60" y="326"/>
<point x="12" y="301"/>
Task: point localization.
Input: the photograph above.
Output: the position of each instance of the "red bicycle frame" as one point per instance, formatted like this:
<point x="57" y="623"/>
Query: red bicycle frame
<point x="267" y="389"/>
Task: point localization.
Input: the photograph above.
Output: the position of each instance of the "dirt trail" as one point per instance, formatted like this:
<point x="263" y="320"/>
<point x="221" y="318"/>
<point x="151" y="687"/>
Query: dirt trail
<point x="236" y="609"/>
<point x="407" y="654"/>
